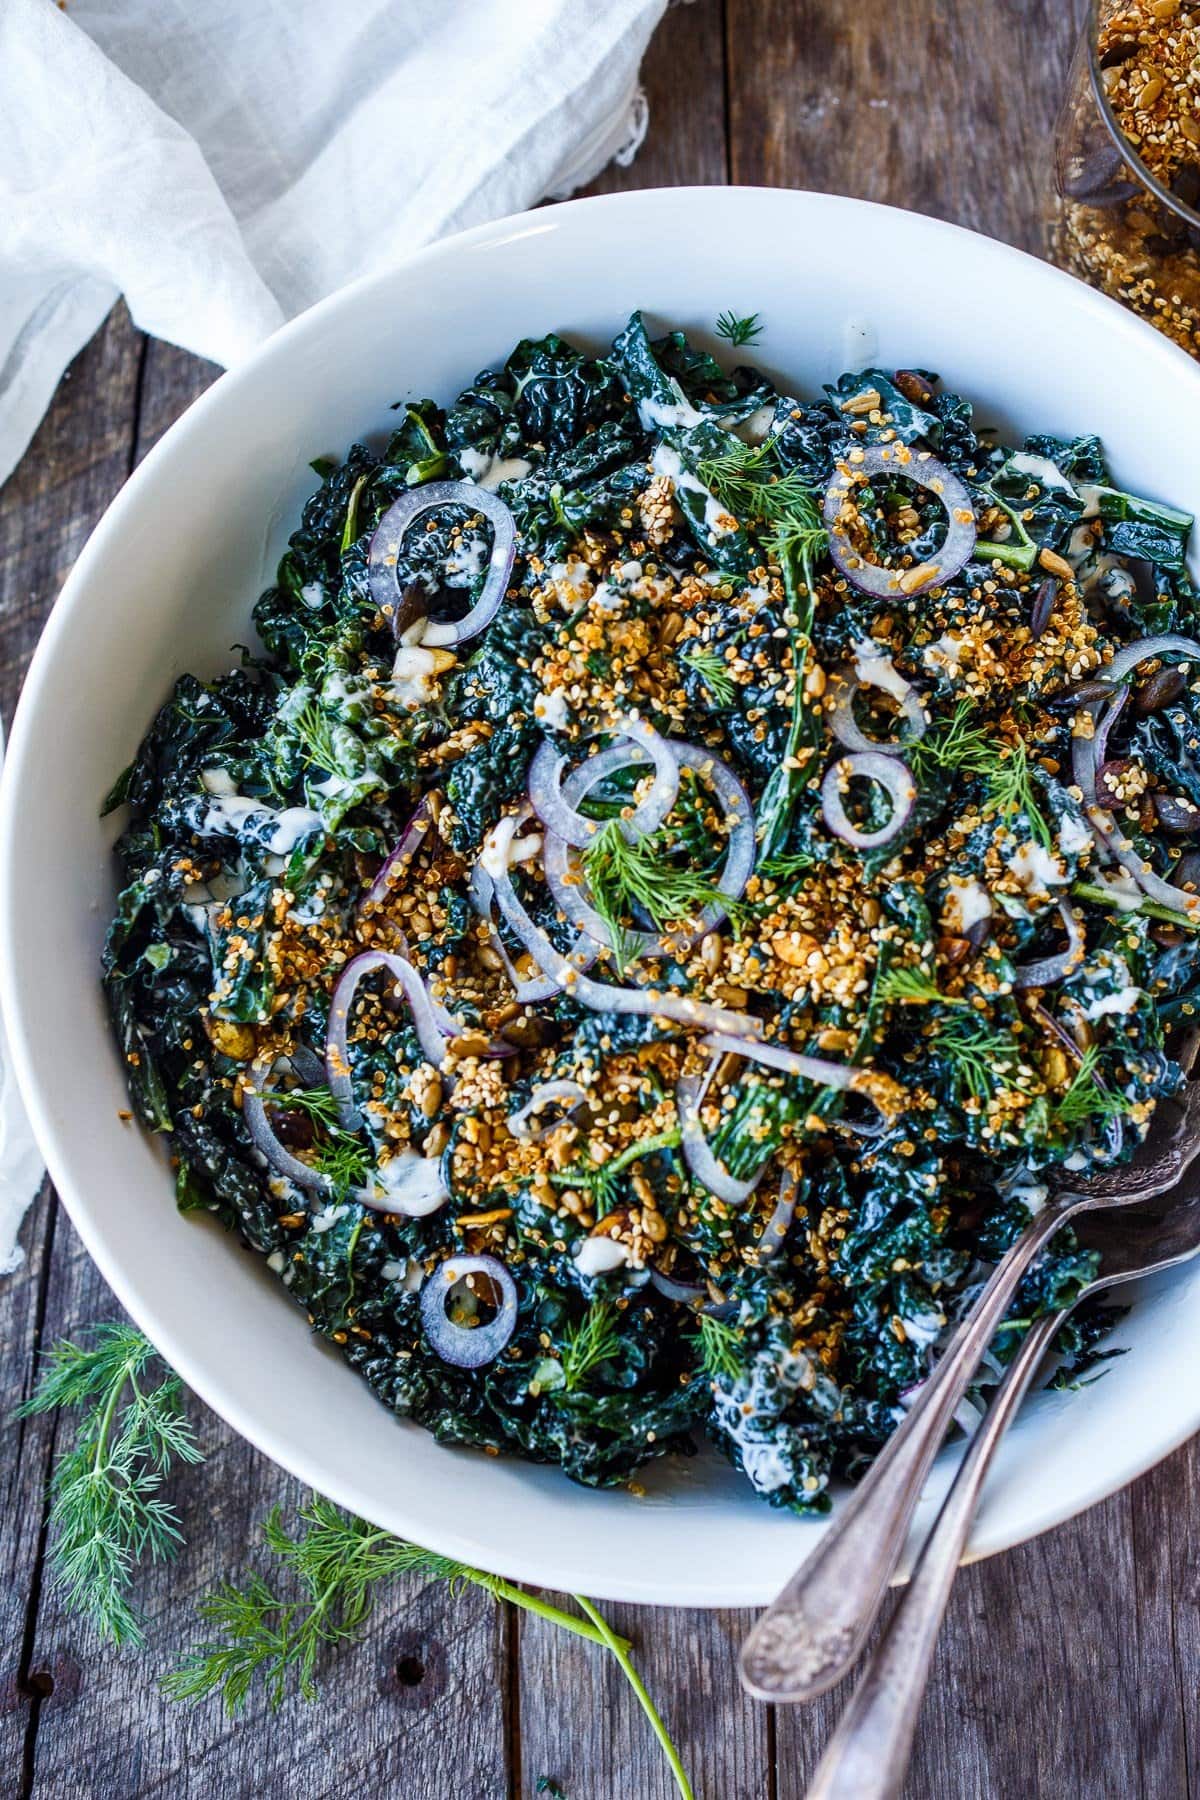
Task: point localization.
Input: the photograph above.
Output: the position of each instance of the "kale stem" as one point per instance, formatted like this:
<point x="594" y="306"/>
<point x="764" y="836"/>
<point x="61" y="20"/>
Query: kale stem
<point x="555" y="1615"/>
<point x="621" y="1652"/>
<point x="1153" y="909"/>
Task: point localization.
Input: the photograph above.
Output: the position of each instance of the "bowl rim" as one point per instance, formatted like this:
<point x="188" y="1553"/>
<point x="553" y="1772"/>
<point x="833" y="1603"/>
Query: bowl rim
<point x="711" y="1587"/>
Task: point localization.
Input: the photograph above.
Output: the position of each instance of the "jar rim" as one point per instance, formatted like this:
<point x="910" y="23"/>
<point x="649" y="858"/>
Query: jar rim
<point x="1121" y="143"/>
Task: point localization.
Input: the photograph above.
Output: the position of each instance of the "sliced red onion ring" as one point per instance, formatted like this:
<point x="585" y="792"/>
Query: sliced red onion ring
<point x="409" y="1184"/>
<point x="1169" y="644"/>
<point x="780" y="1223"/>
<point x="685" y="1292"/>
<point x="1114" y="840"/>
<point x="582" y="955"/>
<point x="600" y="996"/>
<point x="337" y="1044"/>
<point x="1087" y="754"/>
<point x="552" y="798"/>
<point x="847" y="731"/>
<point x="698" y="1154"/>
<point x="392" y="873"/>
<point x="564" y="875"/>
<point x="545" y="1094"/>
<point x="898" y="461"/>
<point x="870" y="765"/>
<point x="468" y="1346"/>
<point x="816" y="1069"/>
<point x="1049" y="969"/>
<point x="384" y="553"/>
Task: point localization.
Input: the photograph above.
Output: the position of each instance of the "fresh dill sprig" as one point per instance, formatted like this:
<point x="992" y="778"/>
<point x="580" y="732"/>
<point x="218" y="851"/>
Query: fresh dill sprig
<point x="981" y="1057"/>
<point x="314" y="733"/>
<point x="1011" y="791"/>
<point x="594" y="1340"/>
<point x="716" y="1342"/>
<point x="1087" y="1098"/>
<point x="316" y="1103"/>
<point x="338" y="1563"/>
<point x="1006" y="767"/>
<point x="739" y="331"/>
<point x="621" y="875"/>
<point x="345" y="1160"/>
<point x="958" y="744"/>
<point x="911" y="987"/>
<point x="713" y="671"/>
<point x="107" y="1512"/>
<point x="602" y="1180"/>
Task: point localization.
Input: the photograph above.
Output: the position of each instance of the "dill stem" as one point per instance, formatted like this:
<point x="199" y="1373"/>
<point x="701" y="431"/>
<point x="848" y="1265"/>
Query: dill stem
<point x="545" y="1609"/>
<point x="106" y="1419"/>
<point x="621" y="1651"/>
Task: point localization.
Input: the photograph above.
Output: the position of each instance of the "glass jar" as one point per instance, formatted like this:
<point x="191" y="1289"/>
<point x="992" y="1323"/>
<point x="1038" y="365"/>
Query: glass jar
<point x="1126" y="214"/>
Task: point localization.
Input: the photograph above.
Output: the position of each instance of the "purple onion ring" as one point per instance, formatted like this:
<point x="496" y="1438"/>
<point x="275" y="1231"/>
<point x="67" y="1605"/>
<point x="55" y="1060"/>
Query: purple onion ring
<point x="698" y="1154"/>
<point x="468" y="1346"/>
<point x="869" y="765"/>
<point x="429" y="1032"/>
<point x="545" y="1094"/>
<point x="384" y="553"/>
<point x="413" y="836"/>
<point x="1049" y="969"/>
<point x="552" y="798"/>
<point x="898" y="461"/>
<point x="421" y="1192"/>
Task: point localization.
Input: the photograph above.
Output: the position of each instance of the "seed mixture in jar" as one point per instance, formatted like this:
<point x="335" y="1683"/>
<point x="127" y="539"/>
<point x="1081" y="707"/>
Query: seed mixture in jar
<point x="1112" y="229"/>
<point x="690" y="869"/>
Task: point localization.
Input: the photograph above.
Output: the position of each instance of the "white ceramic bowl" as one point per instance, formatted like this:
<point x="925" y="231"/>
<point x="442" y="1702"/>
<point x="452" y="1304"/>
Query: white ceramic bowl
<point x="166" y="584"/>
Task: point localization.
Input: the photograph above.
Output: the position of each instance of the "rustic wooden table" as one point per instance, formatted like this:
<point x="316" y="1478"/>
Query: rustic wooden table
<point x="1069" y="1667"/>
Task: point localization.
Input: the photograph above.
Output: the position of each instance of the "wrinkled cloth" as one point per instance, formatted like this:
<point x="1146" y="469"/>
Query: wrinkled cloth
<point x="224" y="164"/>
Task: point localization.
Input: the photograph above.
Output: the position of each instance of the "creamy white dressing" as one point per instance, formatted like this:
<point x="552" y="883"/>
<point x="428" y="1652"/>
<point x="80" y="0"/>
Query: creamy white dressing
<point x="412" y="670"/>
<point x="875" y="668"/>
<point x="1037" y="869"/>
<point x="966" y="903"/>
<point x="469" y="557"/>
<point x="599" y="1255"/>
<point x="413" y="1182"/>
<point x="922" y="1329"/>
<point x="661" y="415"/>
<point x="327" y="1218"/>
<point x="489" y="471"/>
<point x="552" y="710"/>
<point x="1073" y="836"/>
<point x="1047" y="474"/>
<point x="945" y="653"/>
<point x="229" y="811"/>
<point x="1122" y="1002"/>
<point x="764" y="1466"/>
<point x="1121" y="888"/>
<point x="313" y="594"/>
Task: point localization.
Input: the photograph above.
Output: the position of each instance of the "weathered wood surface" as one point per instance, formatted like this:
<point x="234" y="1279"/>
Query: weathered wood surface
<point x="1069" y="1668"/>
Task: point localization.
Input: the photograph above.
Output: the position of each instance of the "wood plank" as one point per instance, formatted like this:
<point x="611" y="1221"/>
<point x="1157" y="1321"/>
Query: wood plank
<point x="78" y="459"/>
<point x="684" y="78"/>
<point x="424" y="1680"/>
<point x="601" y="1743"/>
<point x="943" y="106"/>
<point x="24" y="1457"/>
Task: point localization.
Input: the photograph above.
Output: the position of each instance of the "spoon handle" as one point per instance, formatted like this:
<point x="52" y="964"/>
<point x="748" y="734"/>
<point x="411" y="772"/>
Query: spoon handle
<point x="867" y="1756"/>
<point x="815" y="1630"/>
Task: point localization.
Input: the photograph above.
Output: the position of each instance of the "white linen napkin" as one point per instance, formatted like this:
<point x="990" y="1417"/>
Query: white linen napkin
<point x="223" y="164"/>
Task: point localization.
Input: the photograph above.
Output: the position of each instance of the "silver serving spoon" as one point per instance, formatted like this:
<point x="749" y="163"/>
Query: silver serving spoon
<point x="867" y="1757"/>
<point x="815" y="1630"/>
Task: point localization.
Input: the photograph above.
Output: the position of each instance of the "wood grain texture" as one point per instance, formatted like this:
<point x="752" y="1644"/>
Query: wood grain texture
<point x="943" y="106"/>
<point x="1068" y="1668"/>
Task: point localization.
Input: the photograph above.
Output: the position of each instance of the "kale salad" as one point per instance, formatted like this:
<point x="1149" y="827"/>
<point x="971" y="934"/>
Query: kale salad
<point x="685" y="873"/>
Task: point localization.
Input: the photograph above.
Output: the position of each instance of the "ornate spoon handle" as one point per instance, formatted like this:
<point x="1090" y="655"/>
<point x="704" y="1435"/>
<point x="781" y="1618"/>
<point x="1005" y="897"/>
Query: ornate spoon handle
<point x="815" y="1630"/>
<point x="867" y="1756"/>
